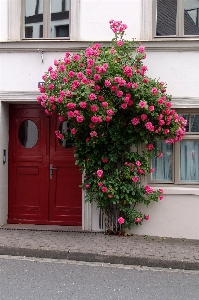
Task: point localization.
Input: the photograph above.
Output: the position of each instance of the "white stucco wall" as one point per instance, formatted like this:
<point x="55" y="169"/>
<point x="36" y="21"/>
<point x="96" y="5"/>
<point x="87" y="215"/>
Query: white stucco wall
<point x="95" y="16"/>
<point x="178" y="69"/>
<point x="175" y="216"/>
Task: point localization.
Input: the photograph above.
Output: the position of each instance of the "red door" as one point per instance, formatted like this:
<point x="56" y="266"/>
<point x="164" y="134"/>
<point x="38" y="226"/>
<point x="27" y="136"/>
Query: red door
<point x="43" y="178"/>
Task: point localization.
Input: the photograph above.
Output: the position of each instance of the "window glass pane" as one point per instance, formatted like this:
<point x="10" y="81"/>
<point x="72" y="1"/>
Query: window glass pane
<point x="194" y="124"/>
<point x="33" y="18"/>
<point x="186" y="117"/>
<point x="68" y="140"/>
<point x="189" y="161"/>
<point x="191" y="17"/>
<point x="28" y="134"/>
<point x="59" y="26"/>
<point x="166" y="17"/>
<point x="163" y="165"/>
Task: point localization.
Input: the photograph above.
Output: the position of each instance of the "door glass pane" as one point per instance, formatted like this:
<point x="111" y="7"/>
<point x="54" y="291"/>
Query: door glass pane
<point x="166" y="17"/>
<point x="163" y="165"/>
<point x="33" y="18"/>
<point x="191" y="17"/>
<point x="68" y="140"/>
<point x="189" y="161"/>
<point x="59" y="26"/>
<point x="28" y="134"/>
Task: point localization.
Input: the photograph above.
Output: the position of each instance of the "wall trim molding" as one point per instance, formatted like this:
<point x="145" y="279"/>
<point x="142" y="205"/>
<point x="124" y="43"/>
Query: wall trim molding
<point x="156" y="45"/>
<point x="31" y="96"/>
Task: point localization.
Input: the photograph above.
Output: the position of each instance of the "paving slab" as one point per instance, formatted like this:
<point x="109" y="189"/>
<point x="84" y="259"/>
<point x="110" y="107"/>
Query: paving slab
<point x="62" y="242"/>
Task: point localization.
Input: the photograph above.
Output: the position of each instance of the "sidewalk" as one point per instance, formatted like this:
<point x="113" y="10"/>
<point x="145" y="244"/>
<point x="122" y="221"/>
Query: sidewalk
<point x="74" y="244"/>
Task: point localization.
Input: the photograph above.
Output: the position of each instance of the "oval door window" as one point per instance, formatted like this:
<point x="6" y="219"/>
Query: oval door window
<point x="28" y="134"/>
<point x="68" y="140"/>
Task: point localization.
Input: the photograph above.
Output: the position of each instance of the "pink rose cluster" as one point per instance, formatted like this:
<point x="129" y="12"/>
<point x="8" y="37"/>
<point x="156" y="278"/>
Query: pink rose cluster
<point x="117" y="26"/>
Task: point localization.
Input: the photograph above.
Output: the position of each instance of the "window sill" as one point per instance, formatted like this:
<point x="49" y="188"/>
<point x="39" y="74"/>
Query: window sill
<point x="178" y="190"/>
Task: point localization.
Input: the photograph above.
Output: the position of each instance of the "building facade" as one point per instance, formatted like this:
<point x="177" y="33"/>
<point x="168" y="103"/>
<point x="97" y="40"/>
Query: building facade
<point x="38" y="177"/>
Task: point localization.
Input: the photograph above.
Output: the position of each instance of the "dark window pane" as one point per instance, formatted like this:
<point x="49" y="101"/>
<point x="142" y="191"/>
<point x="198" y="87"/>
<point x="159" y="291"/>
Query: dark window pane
<point x="28" y="134"/>
<point x="194" y="123"/>
<point x="191" y="17"/>
<point x="33" y="18"/>
<point x="62" y="31"/>
<point x="59" y="18"/>
<point x="187" y="117"/>
<point x="28" y="32"/>
<point x="166" y="17"/>
<point x="68" y="140"/>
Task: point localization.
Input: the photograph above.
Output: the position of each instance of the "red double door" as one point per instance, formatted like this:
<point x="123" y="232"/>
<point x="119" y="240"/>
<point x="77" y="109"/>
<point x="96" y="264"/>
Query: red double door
<point x="43" y="178"/>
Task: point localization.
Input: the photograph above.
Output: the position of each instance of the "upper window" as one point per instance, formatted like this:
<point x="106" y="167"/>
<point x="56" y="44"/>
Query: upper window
<point x="179" y="163"/>
<point x="46" y="18"/>
<point x="177" y="18"/>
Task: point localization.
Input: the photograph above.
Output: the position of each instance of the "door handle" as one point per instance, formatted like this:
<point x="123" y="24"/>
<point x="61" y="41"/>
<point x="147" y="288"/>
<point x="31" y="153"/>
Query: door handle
<point x="51" y="171"/>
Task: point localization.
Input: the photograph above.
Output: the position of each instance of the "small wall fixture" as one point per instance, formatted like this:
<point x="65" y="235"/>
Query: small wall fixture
<point x="4" y="156"/>
<point x="42" y="55"/>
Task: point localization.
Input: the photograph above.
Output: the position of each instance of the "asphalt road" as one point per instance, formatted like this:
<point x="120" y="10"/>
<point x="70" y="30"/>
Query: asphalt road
<point x="28" y="278"/>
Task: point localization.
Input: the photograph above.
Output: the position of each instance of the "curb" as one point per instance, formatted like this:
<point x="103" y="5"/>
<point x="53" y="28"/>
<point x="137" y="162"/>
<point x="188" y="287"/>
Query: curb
<point x="92" y="257"/>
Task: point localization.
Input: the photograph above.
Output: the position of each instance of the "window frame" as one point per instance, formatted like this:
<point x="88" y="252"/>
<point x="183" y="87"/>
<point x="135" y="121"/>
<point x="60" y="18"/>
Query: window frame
<point x="74" y="19"/>
<point x="179" y="22"/>
<point x="176" y="157"/>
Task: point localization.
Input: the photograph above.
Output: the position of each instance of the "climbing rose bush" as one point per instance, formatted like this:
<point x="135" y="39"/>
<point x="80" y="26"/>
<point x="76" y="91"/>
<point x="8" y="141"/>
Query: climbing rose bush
<point x="111" y="104"/>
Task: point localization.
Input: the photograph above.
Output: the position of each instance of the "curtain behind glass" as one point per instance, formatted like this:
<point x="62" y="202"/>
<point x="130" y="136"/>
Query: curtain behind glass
<point x="163" y="165"/>
<point x="189" y="161"/>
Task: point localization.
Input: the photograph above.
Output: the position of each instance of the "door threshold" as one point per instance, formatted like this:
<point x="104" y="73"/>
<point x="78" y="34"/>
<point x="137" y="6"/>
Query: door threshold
<point x="41" y="227"/>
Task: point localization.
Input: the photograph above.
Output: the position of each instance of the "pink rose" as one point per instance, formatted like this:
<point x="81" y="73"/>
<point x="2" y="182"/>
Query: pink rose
<point x="93" y="133"/>
<point x="83" y="104"/>
<point x="110" y="112"/>
<point x="104" y="189"/>
<point x="99" y="173"/>
<point x="120" y="220"/>
<point x="138" y="163"/>
<point x="70" y="114"/>
<point x="105" y="104"/>
<point x="146" y="217"/>
<point x="154" y="91"/>
<point x="104" y="160"/>
<point x="92" y="96"/>
<point x="137" y="220"/>
<point x="79" y="119"/>
<point x="96" y="77"/>
<point x="94" y="108"/>
<point x="87" y="186"/>
<point x="148" y="189"/>
<point x="70" y="105"/>
<point x="107" y="83"/>
<point x="140" y="49"/>
<point x="135" y="178"/>
<point x="142" y="104"/>
<point x="119" y="93"/>
<point x="73" y="131"/>
<point x="123" y="105"/>
<point x="135" y="121"/>
<point x="150" y="147"/>
<point x="119" y="43"/>
<point x="108" y="118"/>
